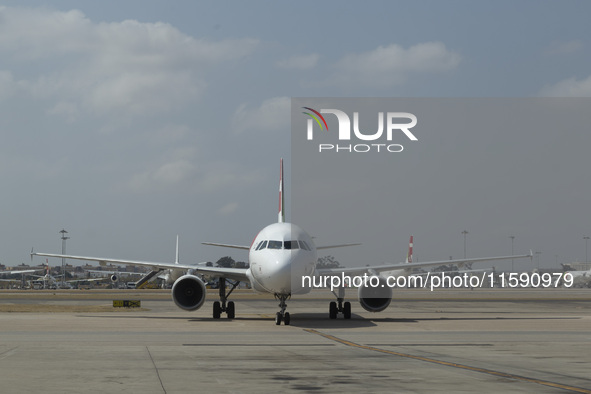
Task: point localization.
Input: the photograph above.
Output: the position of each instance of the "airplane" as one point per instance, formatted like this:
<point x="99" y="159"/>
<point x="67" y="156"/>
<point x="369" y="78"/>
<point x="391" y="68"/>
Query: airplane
<point x="21" y="272"/>
<point x="576" y="273"/>
<point x="49" y="281"/>
<point x="279" y="256"/>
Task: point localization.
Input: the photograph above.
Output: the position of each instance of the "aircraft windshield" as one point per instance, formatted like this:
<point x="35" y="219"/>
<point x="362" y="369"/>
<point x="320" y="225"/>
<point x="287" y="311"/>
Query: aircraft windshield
<point x="294" y="244"/>
<point x="291" y="245"/>
<point x="275" y="245"/>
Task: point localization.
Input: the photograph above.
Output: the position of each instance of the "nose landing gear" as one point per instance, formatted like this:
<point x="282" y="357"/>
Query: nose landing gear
<point x="282" y="316"/>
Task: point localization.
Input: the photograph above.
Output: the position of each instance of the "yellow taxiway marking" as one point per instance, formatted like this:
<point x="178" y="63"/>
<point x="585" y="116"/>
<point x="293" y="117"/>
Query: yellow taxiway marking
<point x="460" y="366"/>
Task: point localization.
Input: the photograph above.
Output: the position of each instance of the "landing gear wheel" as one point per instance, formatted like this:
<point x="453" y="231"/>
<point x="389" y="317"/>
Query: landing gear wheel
<point x="347" y="310"/>
<point x="230" y="310"/>
<point x="286" y="319"/>
<point x="278" y="318"/>
<point x="332" y="310"/>
<point x="217" y="310"/>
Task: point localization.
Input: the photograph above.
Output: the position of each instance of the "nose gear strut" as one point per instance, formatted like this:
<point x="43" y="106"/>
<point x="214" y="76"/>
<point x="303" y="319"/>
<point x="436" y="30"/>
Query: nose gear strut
<point x="282" y="315"/>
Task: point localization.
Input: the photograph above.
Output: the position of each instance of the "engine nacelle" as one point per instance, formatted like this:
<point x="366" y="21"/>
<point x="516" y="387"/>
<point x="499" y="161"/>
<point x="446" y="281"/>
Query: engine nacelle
<point x="375" y="295"/>
<point x="114" y="278"/>
<point x="188" y="292"/>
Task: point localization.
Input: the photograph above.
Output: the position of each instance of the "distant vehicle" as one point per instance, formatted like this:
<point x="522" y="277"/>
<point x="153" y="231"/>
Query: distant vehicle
<point x="131" y="285"/>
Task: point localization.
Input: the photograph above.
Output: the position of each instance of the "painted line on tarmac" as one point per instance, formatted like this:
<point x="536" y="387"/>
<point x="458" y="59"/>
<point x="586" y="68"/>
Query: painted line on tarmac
<point x="454" y="365"/>
<point x="8" y="353"/>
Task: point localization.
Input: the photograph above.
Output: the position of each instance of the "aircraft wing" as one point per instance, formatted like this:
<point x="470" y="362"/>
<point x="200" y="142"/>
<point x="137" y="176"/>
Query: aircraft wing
<point x="397" y="266"/>
<point x="124" y="273"/>
<point x="86" y="280"/>
<point x="230" y="273"/>
<point x="18" y="272"/>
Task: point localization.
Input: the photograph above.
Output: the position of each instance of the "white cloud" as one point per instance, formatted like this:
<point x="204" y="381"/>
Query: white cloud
<point x="570" y="87"/>
<point x="564" y="47"/>
<point x="124" y="67"/>
<point x="185" y="171"/>
<point x="272" y="114"/>
<point x="66" y="109"/>
<point x="301" y="62"/>
<point x="228" y="208"/>
<point x="391" y="65"/>
<point x="7" y="84"/>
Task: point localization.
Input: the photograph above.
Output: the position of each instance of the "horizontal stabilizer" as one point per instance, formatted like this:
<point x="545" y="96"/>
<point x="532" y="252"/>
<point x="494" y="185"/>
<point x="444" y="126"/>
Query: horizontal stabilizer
<point x="336" y="246"/>
<point x="226" y="245"/>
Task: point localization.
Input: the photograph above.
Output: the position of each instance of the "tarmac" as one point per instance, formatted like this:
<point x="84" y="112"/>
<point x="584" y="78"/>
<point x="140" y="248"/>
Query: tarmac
<point x="461" y="340"/>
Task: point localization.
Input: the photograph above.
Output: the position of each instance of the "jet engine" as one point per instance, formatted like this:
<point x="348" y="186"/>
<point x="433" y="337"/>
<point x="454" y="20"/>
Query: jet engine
<point x="114" y="278"/>
<point x="375" y="294"/>
<point x="188" y="292"/>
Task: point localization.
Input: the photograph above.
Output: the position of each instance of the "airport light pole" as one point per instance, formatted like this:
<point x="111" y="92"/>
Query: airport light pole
<point x="512" y="252"/>
<point x="464" y="232"/>
<point x="586" y="238"/>
<point x="64" y="238"/>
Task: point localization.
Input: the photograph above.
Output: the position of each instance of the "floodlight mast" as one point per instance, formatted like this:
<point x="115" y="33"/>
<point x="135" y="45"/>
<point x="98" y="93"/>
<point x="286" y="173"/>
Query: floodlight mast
<point x="64" y="238"/>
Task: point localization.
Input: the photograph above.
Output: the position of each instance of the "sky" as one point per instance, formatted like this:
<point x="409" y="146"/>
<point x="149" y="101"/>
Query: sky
<point x="127" y="123"/>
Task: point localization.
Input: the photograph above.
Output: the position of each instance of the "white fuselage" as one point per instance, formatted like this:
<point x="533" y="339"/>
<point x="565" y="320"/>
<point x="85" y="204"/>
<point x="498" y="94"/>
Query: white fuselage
<point x="279" y="256"/>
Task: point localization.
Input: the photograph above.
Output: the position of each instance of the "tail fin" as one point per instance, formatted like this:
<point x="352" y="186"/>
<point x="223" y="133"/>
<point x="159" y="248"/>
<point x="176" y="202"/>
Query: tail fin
<point x="281" y="216"/>
<point x="409" y="255"/>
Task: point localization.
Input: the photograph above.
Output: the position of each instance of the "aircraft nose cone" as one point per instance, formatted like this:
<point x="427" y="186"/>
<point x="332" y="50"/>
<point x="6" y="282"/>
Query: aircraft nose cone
<point x="284" y="275"/>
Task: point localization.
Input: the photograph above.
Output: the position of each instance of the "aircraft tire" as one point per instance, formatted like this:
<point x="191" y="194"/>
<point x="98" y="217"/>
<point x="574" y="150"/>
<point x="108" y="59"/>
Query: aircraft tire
<point x="231" y="310"/>
<point x="217" y="310"/>
<point x="347" y="310"/>
<point x="332" y="310"/>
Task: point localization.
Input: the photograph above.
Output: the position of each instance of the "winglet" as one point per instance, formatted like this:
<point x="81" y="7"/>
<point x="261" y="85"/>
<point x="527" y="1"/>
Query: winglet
<point x="32" y="254"/>
<point x="281" y="216"/>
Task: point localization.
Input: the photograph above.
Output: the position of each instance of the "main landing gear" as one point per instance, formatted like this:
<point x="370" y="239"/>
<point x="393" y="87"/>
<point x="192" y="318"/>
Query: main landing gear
<point x="221" y="305"/>
<point x="282" y="315"/>
<point x="334" y="308"/>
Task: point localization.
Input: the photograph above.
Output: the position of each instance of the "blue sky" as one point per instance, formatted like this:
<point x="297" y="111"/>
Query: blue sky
<point x="129" y="122"/>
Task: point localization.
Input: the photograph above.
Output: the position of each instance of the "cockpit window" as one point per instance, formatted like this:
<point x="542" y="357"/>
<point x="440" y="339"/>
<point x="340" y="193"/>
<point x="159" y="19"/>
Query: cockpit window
<point x="291" y="245"/>
<point x="304" y="245"/>
<point x="261" y="245"/>
<point x="275" y="245"/>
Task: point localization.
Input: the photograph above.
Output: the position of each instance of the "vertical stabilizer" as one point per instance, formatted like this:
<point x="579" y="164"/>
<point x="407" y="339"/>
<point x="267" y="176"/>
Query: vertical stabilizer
<point x="409" y="254"/>
<point x="281" y="216"/>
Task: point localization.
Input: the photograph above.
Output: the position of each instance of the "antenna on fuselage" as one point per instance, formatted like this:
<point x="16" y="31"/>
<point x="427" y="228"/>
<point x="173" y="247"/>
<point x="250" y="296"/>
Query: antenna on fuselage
<point x="281" y="218"/>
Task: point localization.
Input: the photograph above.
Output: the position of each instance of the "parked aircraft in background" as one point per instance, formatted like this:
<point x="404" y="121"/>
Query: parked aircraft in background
<point x="48" y="281"/>
<point x="280" y="255"/>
